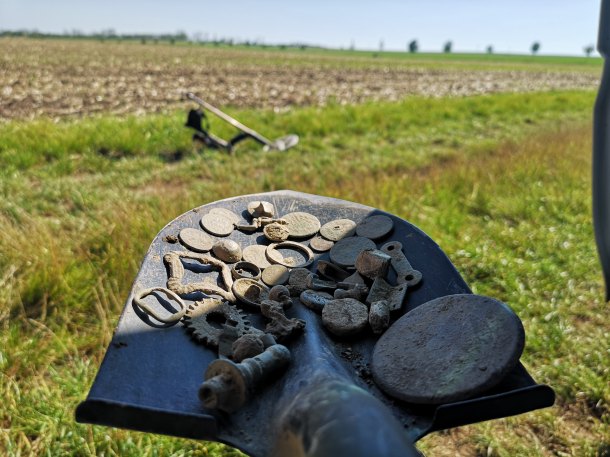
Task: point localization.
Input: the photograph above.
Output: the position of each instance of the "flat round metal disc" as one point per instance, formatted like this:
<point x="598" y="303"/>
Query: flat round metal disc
<point x="227" y="214"/>
<point x="448" y="349"/>
<point x="256" y="254"/>
<point x="345" y="251"/>
<point x="301" y="225"/>
<point x="317" y="243"/>
<point x="217" y="224"/>
<point x="338" y="229"/>
<point x="275" y="275"/>
<point x="195" y="239"/>
<point x="375" y="227"/>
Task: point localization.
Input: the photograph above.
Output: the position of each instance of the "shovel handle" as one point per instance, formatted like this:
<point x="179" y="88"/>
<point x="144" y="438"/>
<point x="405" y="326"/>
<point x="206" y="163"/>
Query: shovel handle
<point x="601" y="151"/>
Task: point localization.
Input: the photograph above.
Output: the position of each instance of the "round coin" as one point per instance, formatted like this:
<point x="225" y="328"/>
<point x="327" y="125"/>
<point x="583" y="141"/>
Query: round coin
<point x="301" y="225"/>
<point x="217" y="224"/>
<point x="275" y="275"/>
<point x="195" y="239"/>
<point x="276" y="232"/>
<point x="317" y="243"/>
<point x="345" y="316"/>
<point x="345" y="251"/>
<point x="448" y="349"/>
<point x="375" y="227"/>
<point x="255" y="253"/>
<point x="338" y="229"/>
<point x="226" y="213"/>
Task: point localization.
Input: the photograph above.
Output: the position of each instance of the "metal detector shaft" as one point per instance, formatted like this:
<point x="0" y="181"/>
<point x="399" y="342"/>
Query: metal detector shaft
<point x="601" y="151"/>
<point x="234" y="122"/>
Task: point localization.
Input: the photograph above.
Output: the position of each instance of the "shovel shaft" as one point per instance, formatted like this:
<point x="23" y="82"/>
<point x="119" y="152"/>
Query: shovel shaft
<point x="601" y="151"/>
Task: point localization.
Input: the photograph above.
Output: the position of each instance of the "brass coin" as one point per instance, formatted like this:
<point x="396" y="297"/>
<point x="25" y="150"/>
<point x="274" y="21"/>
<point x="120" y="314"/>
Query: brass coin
<point x="317" y="243"/>
<point x="301" y="225"/>
<point x="275" y="275"/>
<point x="276" y="232"/>
<point x="345" y="251"/>
<point x="255" y="254"/>
<point x="338" y="229"/>
<point x="195" y="240"/>
<point x="217" y="224"/>
<point x="375" y="227"/>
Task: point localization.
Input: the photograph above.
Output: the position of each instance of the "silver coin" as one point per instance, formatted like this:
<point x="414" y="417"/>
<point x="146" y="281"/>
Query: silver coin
<point x="195" y="240"/>
<point x="338" y="229"/>
<point x="301" y="225"/>
<point x="256" y="254"/>
<point x="217" y="224"/>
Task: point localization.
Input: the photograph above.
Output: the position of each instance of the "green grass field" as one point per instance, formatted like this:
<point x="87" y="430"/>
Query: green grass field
<point x="501" y="182"/>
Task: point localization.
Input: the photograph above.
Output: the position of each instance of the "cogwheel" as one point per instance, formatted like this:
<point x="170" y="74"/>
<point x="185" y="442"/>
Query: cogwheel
<point x="205" y="319"/>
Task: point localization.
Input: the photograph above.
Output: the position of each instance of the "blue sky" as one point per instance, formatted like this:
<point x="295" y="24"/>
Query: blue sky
<point x="561" y="26"/>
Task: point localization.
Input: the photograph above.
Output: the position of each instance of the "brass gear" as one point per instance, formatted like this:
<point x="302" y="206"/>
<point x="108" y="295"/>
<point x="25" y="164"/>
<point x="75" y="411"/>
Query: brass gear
<point x="205" y="320"/>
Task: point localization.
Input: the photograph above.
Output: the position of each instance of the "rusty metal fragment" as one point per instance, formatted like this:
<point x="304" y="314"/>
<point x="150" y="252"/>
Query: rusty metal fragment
<point x="261" y="209"/>
<point x="281" y="294"/>
<point x="373" y="263"/>
<point x="228" y="385"/>
<point x="357" y="291"/>
<point x="375" y="227"/>
<point x="173" y="260"/>
<point x="331" y="271"/>
<point x="393" y="295"/>
<point x="345" y="316"/>
<point x="297" y="281"/>
<point x="338" y="229"/>
<point x="195" y="240"/>
<point x="353" y="280"/>
<point x="227" y="250"/>
<point x="405" y="273"/>
<point x="345" y="251"/>
<point x="247" y="346"/>
<point x="313" y="282"/>
<point x="379" y="316"/>
<point x="280" y="326"/>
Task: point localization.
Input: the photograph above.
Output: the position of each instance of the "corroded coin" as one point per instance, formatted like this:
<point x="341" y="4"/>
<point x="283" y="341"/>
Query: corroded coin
<point x="375" y="227"/>
<point x="275" y="275"/>
<point x="338" y="229"/>
<point x="345" y="316"/>
<point x="448" y="349"/>
<point x="195" y="239"/>
<point x="345" y="251"/>
<point x="226" y="213"/>
<point x="217" y="224"/>
<point x="276" y="232"/>
<point x="255" y="253"/>
<point x="320" y="244"/>
<point x="301" y="225"/>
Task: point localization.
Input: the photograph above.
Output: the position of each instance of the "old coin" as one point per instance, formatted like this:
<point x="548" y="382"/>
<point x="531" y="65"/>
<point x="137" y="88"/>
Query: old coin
<point x="320" y="244"/>
<point x="301" y="225"/>
<point x="227" y="251"/>
<point x="275" y="275"/>
<point x="345" y="252"/>
<point x="261" y="209"/>
<point x="226" y="213"/>
<point x="448" y="349"/>
<point x="195" y="239"/>
<point x="217" y="224"/>
<point x="375" y="227"/>
<point x="255" y="253"/>
<point x="338" y="229"/>
<point x="274" y="255"/>
<point x="276" y="232"/>
<point x="345" y="316"/>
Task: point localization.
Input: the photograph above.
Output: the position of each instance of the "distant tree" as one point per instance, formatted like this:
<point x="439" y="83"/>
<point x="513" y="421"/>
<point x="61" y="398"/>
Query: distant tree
<point x="490" y="49"/>
<point x="447" y="47"/>
<point x="589" y="49"/>
<point x="413" y="46"/>
<point x="535" y="47"/>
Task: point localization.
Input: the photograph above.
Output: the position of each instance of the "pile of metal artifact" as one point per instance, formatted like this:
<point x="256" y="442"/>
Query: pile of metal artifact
<point x="356" y="292"/>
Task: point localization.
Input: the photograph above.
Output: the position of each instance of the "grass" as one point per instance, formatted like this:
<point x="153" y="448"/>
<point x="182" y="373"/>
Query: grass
<point x="501" y="182"/>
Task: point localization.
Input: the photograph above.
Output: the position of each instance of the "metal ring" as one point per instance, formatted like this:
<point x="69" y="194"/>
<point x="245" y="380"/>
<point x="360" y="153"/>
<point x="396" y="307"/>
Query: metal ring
<point x="276" y="257"/>
<point x="174" y="318"/>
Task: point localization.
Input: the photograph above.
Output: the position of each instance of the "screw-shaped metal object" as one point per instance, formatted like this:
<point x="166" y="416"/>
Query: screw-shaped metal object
<point x="229" y="385"/>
